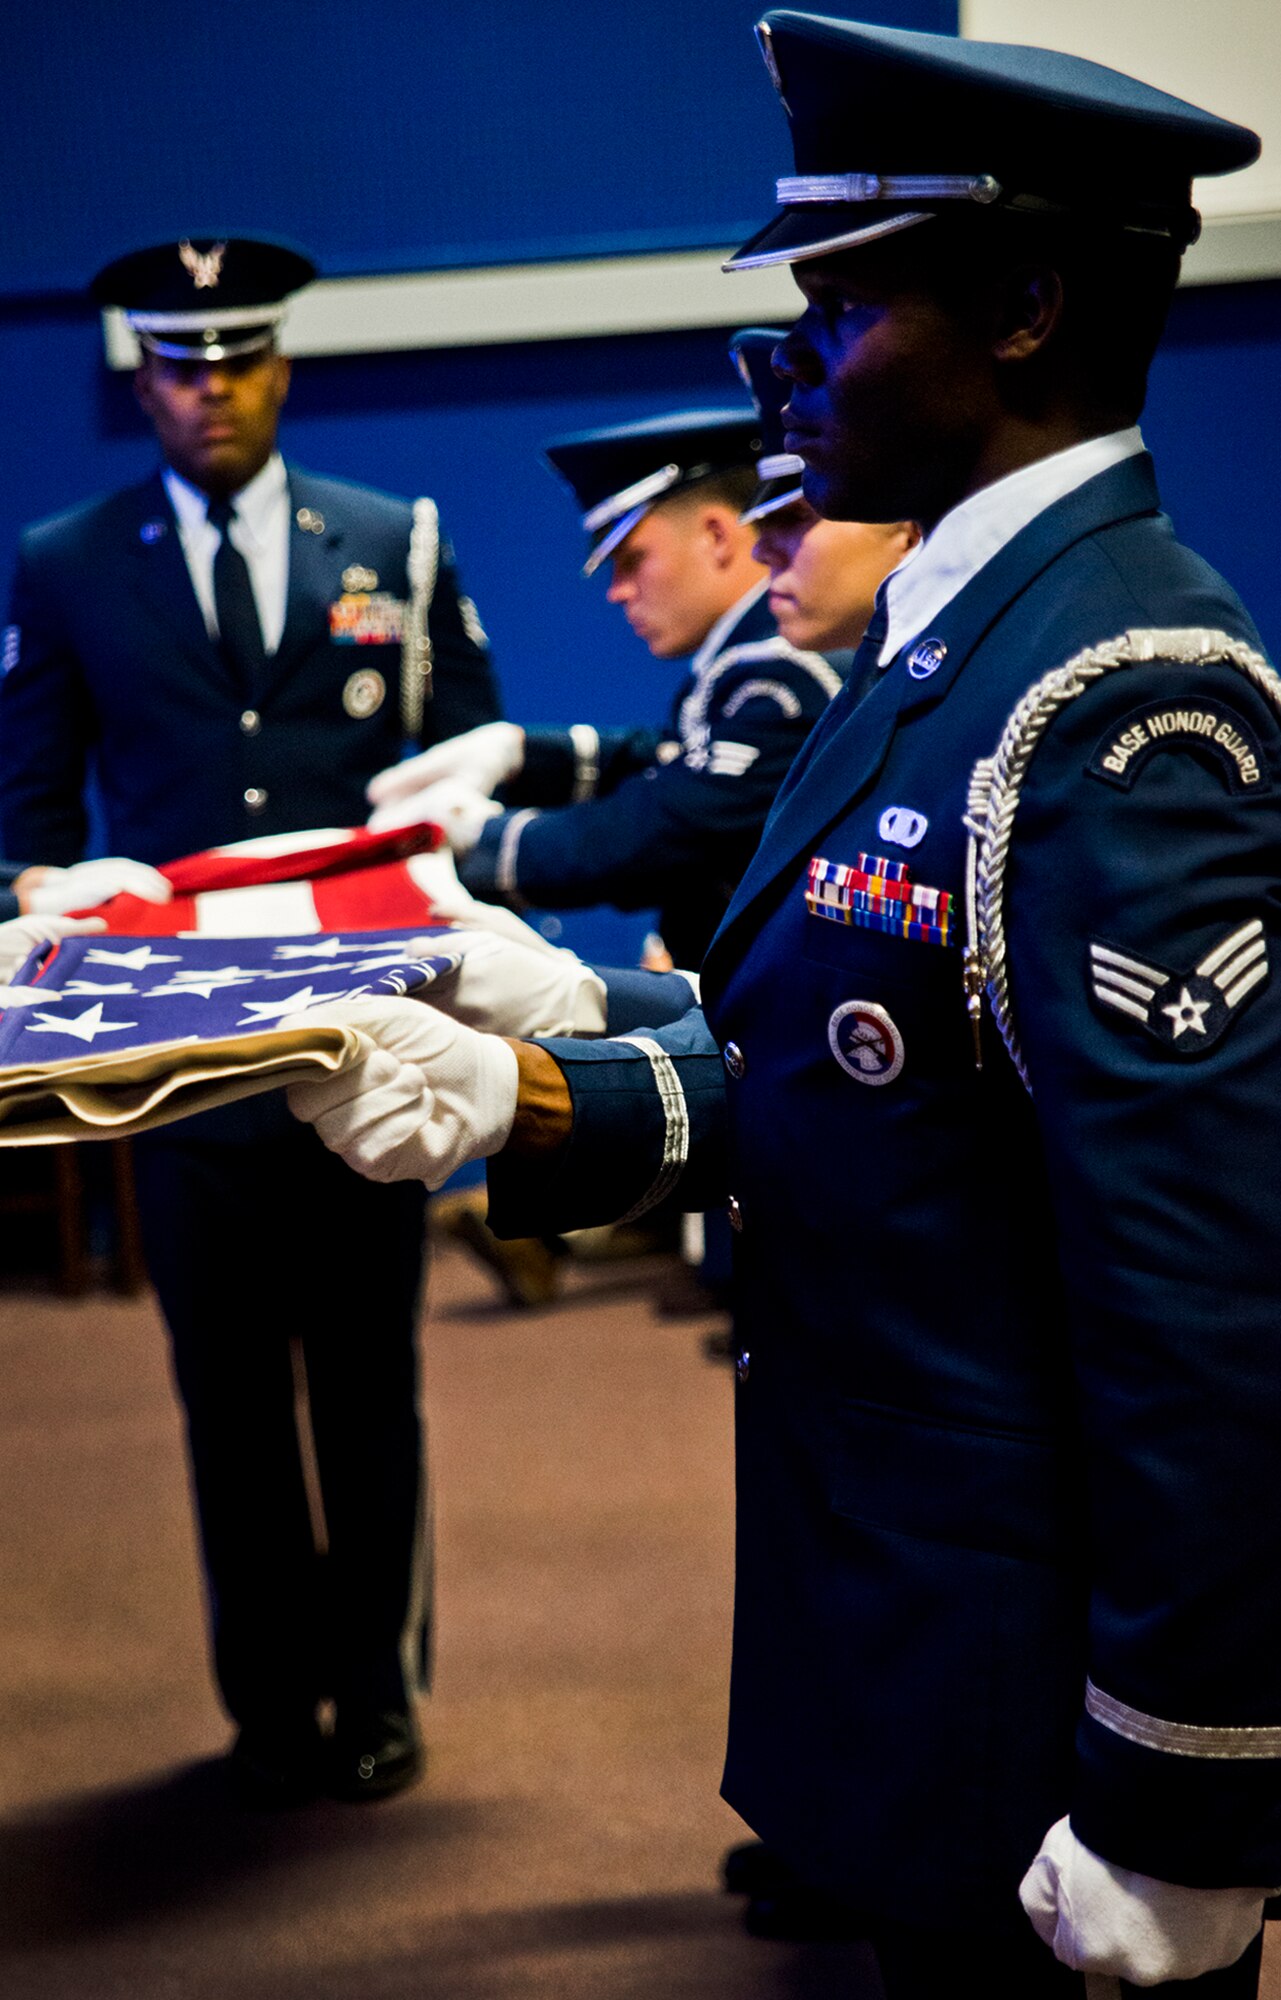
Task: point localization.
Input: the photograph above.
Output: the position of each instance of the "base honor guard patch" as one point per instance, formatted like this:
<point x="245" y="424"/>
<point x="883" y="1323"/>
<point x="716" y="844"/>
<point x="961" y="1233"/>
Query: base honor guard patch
<point x="1218" y="735"/>
<point x="1186" y="1011"/>
<point x="881" y="896"/>
<point x="367" y="618"/>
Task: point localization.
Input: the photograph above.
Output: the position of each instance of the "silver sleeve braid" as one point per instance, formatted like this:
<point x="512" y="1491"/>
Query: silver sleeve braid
<point x="415" y="649"/>
<point x="996" y="786"/>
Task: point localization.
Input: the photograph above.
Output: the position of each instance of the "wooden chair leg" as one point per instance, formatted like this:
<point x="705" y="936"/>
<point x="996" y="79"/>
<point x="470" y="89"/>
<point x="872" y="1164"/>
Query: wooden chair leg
<point x="130" y="1266"/>
<point x="73" y="1259"/>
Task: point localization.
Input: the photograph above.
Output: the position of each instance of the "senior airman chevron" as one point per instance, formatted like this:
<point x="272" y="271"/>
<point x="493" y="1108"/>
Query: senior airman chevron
<point x="1186" y="1011"/>
<point x="879" y="895"/>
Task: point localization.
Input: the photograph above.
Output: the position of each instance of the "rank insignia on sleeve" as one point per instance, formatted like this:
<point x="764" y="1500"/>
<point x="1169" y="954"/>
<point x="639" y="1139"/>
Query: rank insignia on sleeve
<point x="879" y="895"/>
<point x="1185" y="1011"/>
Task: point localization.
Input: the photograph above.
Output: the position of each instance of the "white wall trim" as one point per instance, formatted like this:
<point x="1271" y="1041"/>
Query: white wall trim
<point x="612" y="295"/>
<point x="498" y="304"/>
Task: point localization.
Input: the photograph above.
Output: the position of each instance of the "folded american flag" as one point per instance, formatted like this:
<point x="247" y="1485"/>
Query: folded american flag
<point x="132" y="1032"/>
<point x="322" y="879"/>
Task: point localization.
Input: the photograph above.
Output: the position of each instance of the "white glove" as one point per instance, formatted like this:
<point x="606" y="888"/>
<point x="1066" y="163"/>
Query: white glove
<point x="1099" y="1918"/>
<point x="483" y="758"/>
<point x="430" y="1095"/>
<point x="437" y="877"/>
<point x="509" y="989"/>
<point x="20" y="936"/>
<point x="54" y="890"/>
<point x="456" y="807"/>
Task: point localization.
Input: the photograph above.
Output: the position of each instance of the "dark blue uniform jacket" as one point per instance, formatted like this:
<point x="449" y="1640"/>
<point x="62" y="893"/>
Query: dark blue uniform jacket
<point x="110" y="668"/>
<point x="1010" y="1525"/>
<point x="670" y="817"/>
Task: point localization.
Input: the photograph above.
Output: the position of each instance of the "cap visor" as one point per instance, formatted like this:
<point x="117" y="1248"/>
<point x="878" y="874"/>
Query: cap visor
<point x="771" y="496"/>
<point x="617" y="532"/>
<point x="816" y="229"/>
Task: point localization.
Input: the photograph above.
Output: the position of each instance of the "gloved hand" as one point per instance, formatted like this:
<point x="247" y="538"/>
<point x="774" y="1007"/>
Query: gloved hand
<point x="50" y="891"/>
<point x="456" y="807"/>
<point x="20" y="936"/>
<point x="429" y="1096"/>
<point x="1099" y="1918"/>
<point x="510" y="989"/>
<point x="437" y="877"/>
<point x="483" y="758"/>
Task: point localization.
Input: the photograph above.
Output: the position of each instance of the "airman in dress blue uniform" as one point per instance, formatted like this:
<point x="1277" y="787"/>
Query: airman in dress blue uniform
<point x="987" y="1067"/>
<point x="646" y="816"/>
<point x="1008" y="1391"/>
<point x="234" y="647"/>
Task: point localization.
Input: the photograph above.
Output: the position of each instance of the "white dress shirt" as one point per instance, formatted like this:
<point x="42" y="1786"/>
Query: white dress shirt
<point x="967" y="538"/>
<point x="260" y="531"/>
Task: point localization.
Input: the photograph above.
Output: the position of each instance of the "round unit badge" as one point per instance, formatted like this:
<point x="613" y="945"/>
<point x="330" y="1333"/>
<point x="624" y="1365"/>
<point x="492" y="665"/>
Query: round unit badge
<point x="364" y="693"/>
<point x="865" y="1042"/>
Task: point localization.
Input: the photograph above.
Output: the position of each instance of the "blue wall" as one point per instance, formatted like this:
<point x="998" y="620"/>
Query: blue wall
<point x="408" y="134"/>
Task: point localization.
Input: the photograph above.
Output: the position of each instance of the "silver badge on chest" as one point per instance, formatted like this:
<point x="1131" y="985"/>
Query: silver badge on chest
<point x="364" y="693"/>
<point x="902" y="827"/>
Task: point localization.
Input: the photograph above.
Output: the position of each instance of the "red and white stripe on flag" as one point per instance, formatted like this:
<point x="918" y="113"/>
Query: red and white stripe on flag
<point x="287" y="885"/>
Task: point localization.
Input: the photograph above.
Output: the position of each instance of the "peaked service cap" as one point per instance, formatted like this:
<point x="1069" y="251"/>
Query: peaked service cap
<point x="205" y="297"/>
<point x="778" y="471"/>
<point x="891" y="126"/>
<point x="617" y="475"/>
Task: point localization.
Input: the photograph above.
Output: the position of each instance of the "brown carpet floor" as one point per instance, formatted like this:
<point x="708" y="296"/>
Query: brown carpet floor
<point x="566" y="1840"/>
<point x="567" y="1836"/>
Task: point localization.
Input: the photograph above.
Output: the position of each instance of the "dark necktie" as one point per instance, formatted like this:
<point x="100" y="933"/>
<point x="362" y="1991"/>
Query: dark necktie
<point x="239" y="628"/>
<point x="865" y="668"/>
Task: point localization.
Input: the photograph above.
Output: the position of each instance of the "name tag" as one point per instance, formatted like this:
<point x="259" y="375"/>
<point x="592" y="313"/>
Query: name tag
<point x="367" y="618"/>
<point x="879" y="895"/>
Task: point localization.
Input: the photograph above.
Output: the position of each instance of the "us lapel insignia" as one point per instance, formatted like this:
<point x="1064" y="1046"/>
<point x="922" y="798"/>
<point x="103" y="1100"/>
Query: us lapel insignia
<point x="1185" y="1011"/>
<point x="310" y="521"/>
<point x="879" y="895"/>
<point x="926" y="658"/>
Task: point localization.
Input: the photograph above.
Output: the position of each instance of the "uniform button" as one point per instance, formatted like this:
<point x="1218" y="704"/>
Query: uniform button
<point x="742" y="1364"/>
<point x="251" y="722"/>
<point x="735" y="1060"/>
<point x="255" y="798"/>
<point x="734" y="1210"/>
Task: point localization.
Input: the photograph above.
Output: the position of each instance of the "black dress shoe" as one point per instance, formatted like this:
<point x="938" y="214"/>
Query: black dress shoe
<point x="753" y="1869"/>
<point x="277" y="1764"/>
<point x="779" y="1904"/>
<point x="801" y="1916"/>
<point x="373" y="1754"/>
